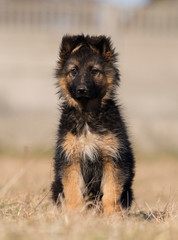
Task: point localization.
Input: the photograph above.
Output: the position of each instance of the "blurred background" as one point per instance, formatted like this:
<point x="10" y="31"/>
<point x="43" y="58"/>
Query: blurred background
<point x="145" y="33"/>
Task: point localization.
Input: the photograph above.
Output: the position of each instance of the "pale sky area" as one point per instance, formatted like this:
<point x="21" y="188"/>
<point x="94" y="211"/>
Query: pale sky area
<point x="127" y="3"/>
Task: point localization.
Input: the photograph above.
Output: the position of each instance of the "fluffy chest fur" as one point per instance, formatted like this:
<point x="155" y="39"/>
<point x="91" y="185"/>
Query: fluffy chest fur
<point x="89" y="145"/>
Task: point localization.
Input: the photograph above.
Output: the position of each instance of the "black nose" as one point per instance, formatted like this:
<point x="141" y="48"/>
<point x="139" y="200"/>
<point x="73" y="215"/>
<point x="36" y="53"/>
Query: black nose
<point x="81" y="90"/>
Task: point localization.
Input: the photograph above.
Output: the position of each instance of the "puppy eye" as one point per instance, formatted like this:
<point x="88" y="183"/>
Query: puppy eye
<point x="95" y="71"/>
<point x="73" y="72"/>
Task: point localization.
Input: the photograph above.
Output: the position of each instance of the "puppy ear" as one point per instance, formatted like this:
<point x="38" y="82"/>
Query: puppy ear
<point x="68" y="44"/>
<point x="103" y="45"/>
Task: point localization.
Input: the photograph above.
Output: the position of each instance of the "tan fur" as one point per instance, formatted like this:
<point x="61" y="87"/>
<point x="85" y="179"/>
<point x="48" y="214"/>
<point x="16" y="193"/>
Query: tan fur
<point x="72" y="184"/>
<point x="90" y="144"/>
<point x="111" y="188"/>
<point x="110" y="80"/>
<point x="76" y="48"/>
<point x="109" y="55"/>
<point x="80" y="45"/>
<point x="109" y="87"/>
<point x="63" y="87"/>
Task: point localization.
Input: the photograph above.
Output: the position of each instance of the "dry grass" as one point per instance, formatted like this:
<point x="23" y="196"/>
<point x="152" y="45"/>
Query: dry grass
<point x="26" y="211"/>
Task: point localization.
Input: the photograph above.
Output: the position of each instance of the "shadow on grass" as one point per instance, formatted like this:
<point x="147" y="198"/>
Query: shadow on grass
<point x="159" y="216"/>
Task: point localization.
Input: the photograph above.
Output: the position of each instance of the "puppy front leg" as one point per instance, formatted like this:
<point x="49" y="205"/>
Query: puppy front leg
<point x="72" y="188"/>
<point x="111" y="189"/>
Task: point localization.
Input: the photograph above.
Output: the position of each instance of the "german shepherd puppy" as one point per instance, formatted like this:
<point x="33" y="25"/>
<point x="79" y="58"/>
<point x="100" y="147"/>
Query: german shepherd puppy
<point x="93" y="159"/>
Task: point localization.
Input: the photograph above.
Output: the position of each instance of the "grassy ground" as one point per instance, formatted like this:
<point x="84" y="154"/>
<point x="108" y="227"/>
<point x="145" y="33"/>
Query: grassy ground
<point x="26" y="211"/>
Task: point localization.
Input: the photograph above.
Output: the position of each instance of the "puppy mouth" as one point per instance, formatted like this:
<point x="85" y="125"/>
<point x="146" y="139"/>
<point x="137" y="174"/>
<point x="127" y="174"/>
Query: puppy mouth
<point x="82" y="98"/>
<point x="83" y="95"/>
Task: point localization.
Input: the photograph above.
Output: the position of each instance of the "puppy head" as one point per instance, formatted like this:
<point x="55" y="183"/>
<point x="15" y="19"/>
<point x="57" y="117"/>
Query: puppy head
<point x="86" y="67"/>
